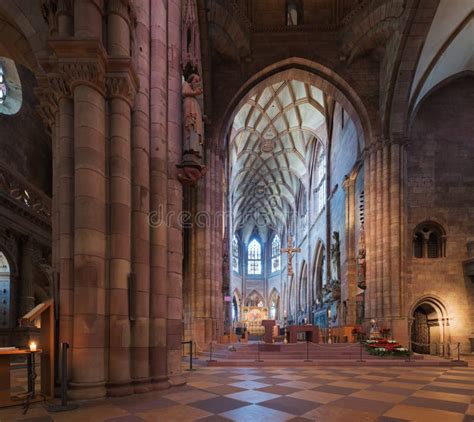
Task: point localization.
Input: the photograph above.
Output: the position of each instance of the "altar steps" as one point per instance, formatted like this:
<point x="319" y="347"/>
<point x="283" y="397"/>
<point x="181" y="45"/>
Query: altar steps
<point x="341" y="354"/>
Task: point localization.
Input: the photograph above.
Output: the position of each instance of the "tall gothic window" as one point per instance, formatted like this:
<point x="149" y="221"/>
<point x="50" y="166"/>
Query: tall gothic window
<point x="254" y="258"/>
<point x="276" y="253"/>
<point x="4" y="292"/>
<point x="294" y="12"/>
<point x="235" y="254"/>
<point x="319" y="191"/>
<point x="3" y="85"/>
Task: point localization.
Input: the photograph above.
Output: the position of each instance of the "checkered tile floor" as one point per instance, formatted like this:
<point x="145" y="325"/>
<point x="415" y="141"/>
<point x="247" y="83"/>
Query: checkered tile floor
<point x="290" y="394"/>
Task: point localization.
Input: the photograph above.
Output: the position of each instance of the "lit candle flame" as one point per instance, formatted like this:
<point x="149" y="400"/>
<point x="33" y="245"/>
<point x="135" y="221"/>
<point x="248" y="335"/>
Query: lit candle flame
<point x="33" y="346"/>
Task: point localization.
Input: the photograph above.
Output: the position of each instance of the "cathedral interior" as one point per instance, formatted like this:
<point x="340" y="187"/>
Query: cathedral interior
<point x="229" y="173"/>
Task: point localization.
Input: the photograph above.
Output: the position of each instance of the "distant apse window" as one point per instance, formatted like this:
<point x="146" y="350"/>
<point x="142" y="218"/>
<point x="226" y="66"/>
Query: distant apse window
<point x="294" y="12"/>
<point x="255" y="258"/>
<point x="276" y="252"/>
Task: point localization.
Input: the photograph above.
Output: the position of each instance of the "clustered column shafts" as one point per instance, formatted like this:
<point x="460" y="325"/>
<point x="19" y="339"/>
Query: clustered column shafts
<point x="119" y="207"/>
<point x="203" y="307"/>
<point x="140" y="329"/>
<point x="113" y="165"/>
<point x="384" y="207"/>
<point x="174" y="279"/>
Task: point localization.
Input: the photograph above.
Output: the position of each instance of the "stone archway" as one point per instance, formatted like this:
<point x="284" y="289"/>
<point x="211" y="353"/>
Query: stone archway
<point x="429" y="326"/>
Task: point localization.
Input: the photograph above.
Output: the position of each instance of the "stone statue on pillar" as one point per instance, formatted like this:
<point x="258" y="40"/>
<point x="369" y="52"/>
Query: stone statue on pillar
<point x="361" y="262"/>
<point x="191" y="168"/>
<point x="335" y="258"/>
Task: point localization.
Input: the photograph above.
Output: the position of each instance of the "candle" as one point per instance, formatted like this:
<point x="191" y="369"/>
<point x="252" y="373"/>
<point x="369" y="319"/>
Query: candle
<point x="33" y="346"/>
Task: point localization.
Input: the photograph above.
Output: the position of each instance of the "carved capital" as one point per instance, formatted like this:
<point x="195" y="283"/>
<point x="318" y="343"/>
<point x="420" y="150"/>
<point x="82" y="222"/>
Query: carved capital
<point x="60" y="86"/>
<point x="90" y="73"/>
<point x="120" y="86"/>
<point x="47" y="105"/>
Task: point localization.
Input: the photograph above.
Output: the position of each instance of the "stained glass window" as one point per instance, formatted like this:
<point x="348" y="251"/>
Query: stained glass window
<point x="3" y="85"/>
<point x="276" y="252"/>
<point x="255" y="257"/>
<point x="235" y="254"/>
<point x="320" y="181"/>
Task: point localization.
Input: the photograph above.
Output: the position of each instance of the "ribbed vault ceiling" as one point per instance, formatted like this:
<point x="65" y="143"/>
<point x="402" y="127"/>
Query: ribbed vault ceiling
<point x="269" y="151"/>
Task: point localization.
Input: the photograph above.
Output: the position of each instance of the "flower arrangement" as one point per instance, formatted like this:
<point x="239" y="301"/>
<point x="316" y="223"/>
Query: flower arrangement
<point x="384" y="347"/>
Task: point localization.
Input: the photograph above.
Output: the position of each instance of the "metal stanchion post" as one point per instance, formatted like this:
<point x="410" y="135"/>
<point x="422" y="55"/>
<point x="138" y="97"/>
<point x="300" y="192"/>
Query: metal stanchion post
<point x="360" y="352"/>
<point x="64" y="406"/>
<point x="258" y="353"/>
<point x="191" y="356"/>
<point x="210" y="353"/>
<point x="307" y="352"/>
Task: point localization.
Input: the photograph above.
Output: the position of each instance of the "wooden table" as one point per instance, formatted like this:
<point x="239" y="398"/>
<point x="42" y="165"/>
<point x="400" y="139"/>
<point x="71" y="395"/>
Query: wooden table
<point x="312" y="333"/>
<point x="5" y="357"/>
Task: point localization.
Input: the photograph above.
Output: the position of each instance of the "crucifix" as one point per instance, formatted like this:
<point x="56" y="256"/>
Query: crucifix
<point x="290" y="250"/>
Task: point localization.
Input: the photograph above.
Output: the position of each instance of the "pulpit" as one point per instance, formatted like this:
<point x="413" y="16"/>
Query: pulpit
<point x="268" y="324"/>
<point x="311" y="331"/>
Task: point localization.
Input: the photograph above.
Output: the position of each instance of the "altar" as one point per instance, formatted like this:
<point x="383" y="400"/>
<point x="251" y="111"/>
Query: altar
<point x="253" y="317"/>
<point x="311" y="332"/>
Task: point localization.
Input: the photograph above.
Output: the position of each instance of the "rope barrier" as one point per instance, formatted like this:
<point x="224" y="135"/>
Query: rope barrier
<point x="330" y="346"/>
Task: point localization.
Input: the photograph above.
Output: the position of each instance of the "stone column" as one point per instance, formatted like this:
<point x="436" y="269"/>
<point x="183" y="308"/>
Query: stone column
<point x="158" y="193"/>
<point x="88" y="371"/>
<point x="140" y="329"/>
<point x="379" y="231"/>
<point x="371" y="185"/>
<point x="350" y="292"/>
<point x="386" y="239"/>
<point x="174" y="198"/>
<point x="27" y="298"/>
<point x="119" y="236"/>
<point x="397" y="230"/>
<point x="66" y="212"/>
<point x="120" y="91"/>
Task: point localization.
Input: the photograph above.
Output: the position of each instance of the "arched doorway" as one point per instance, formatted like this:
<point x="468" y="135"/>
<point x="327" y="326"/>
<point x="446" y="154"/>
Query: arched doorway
<point x="428" y="326"/>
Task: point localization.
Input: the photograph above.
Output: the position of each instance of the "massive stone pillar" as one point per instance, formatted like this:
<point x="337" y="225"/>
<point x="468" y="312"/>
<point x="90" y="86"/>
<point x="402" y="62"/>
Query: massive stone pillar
<point x="384" y="184"/>
<point x="399" y="323"/>
<point x="140" y="330"/>
<point x="87" y="83"/>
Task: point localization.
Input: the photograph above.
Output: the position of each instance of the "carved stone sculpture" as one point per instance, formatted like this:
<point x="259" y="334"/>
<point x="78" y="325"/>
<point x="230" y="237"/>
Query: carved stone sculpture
<point x="191" y="168"/>
<point x="335" y="258"/>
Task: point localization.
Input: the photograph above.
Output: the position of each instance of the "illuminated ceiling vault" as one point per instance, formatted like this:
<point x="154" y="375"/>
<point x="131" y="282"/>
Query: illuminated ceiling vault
<point x="272" y="135"/>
